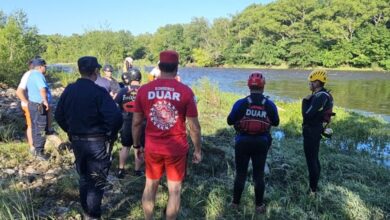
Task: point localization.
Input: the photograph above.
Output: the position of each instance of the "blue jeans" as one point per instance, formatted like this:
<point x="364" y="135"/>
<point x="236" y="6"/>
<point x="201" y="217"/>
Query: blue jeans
<point x="93" y="161"/>
<point x="38" y="125"/>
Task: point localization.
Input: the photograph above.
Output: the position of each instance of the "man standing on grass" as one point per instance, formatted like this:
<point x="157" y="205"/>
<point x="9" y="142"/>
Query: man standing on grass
<point x="316" y="112"/>
<point x="21" y="92"/>
<point x="114" y="85"/>
<point x="166" y="104"/>
<point x="39" y="97"/>
<point x="252" y="118"/>
<point x="90" y="117"/>
<point x="125" y="100"/>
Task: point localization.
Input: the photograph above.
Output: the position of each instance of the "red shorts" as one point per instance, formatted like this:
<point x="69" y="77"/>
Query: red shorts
<point x="174" y="166"/>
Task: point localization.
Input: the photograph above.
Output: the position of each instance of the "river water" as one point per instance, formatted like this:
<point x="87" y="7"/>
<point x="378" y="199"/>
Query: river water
<point x="366" y="92"/>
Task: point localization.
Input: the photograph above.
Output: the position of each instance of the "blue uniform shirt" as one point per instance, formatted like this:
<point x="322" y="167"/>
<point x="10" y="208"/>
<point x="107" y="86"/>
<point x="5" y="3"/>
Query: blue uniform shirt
<point x="37" y="81"/>
<point x="238" y="112"/>
<point x="85" y="108"/>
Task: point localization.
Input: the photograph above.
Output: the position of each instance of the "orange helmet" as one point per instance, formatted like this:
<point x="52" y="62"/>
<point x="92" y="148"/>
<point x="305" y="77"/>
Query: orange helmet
<point x="256" y="81"/>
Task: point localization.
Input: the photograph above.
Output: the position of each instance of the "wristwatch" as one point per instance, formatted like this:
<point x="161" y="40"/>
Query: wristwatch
<point x="136" y="146"/>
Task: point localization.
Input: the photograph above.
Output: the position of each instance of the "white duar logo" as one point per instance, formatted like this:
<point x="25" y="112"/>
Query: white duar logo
<point x="163" y="115"/>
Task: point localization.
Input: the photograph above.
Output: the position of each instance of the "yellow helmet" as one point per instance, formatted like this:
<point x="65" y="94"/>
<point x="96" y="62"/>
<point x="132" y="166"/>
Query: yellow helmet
<point x="319" y="74"/>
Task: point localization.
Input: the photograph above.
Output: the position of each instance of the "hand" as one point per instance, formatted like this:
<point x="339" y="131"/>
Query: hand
<point x="46" y="105"/>
<point x="139" y="153"/>
<point x="197" y="157"/>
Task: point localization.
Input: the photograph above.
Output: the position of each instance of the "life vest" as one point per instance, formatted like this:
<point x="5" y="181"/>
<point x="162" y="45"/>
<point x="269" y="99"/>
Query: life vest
<point x="128" y="99"/>
<point x="255" y="120"/>
<point x="327" y="107"/>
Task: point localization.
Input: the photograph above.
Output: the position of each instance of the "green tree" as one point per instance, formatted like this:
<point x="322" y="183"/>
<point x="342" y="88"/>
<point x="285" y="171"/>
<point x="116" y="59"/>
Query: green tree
<point x="202" y="57"/>
<point x="18" y="44"/>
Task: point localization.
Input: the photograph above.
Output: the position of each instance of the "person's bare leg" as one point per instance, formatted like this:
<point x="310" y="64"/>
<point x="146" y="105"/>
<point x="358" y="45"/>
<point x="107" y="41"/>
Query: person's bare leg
<point x="123" y="154"/>
<point x="29" y="137"/>
<point x="174" y="188"/>
<point x="149" y="197"/>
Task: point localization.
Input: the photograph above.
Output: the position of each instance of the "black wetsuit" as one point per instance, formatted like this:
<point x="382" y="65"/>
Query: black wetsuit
<point x="251" y="147"/>
<point x="313" y="110"/>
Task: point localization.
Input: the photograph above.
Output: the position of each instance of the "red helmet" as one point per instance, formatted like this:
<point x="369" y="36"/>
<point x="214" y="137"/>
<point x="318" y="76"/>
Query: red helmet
<point x="256" y="81"/>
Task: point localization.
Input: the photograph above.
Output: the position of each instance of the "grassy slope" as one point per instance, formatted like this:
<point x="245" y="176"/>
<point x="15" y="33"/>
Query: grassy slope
<point x="352" y="185"/>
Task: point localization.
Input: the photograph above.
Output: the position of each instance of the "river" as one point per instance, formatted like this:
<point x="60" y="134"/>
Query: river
<point x="365" y="92"/>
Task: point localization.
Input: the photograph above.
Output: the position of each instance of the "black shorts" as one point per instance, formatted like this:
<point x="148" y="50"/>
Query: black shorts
<point x="126" y="133"/>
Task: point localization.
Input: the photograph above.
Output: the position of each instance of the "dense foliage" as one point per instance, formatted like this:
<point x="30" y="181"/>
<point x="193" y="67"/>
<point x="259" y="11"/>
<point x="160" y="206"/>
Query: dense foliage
<point x="294" y="33"/>
<point x="18" y="43"/>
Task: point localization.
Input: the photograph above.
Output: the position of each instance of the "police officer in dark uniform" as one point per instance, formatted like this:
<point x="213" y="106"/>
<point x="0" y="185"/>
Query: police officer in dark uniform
<point x="316" y="111"/>
<point x="90" y="117"/>
<point x="126" y="101"/>
<point x="252" y="118"/>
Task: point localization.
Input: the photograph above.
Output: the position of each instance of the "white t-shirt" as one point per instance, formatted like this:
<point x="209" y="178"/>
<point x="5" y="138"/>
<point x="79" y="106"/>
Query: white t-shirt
<point x="23" y="84"/>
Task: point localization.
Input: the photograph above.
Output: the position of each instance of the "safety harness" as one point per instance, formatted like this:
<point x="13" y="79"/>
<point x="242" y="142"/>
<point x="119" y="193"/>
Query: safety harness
<point x="255" y="120"/>
<point x="327" y="114"/>
<point x="327" y="107"/>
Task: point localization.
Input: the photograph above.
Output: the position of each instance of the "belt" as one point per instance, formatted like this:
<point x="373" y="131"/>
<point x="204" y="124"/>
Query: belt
<point x="88" y="138"/>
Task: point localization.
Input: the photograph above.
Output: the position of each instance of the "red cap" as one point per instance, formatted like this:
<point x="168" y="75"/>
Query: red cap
<point x="169" y="56"/>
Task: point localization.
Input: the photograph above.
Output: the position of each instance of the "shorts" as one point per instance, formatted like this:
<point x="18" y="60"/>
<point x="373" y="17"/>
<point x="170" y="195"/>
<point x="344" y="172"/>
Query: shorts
<point x="175" y="166"/>
<point x="126" y="133"/>
<point x="27" y="115"/>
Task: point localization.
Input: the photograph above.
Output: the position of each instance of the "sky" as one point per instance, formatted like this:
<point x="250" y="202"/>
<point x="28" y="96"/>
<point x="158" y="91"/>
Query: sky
<point x="77" y="16"/>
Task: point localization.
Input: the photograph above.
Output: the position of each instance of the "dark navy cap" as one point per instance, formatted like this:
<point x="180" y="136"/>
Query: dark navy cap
<point x="38" y="62"/>
<point x="88" y="63"/>
<point x="108" y="67"/>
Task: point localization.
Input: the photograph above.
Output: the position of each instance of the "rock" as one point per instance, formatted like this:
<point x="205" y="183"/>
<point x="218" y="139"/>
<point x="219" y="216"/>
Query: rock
<point x="49" y="176"/>
<point x="62" y="210"/>
<point x="52" y="140"/>
<point x="43" y="167"/>
<point x="38" y="184"/>
<point x="51" y="171"/>
<point x="9" y="171"/>
<point x="31" y="170"/>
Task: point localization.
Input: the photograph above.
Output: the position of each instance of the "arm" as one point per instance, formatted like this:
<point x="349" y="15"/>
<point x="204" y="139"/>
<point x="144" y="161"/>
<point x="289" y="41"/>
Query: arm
<point x="315" y="106"/>
<point x="111" y="114"/>
<point x="273" y="114"/>
<point x="238" y="111"/>
<point x="59" y="114"/>
<point x="195" y="133"/>
<point x="43" y="93"/>
<point x="21" y="94"/>
<point x="136" y="127"/>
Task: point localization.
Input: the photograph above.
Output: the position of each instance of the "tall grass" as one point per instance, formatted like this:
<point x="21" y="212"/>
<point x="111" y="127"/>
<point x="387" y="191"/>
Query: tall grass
<point x="17" y="205"/>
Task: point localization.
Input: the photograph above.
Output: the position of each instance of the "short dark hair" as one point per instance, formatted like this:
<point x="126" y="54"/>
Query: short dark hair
<point x="168" y="67"/>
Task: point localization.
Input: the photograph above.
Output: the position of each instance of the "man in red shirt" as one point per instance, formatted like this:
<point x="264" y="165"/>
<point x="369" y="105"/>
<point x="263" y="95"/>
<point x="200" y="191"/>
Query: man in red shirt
<point x="166" y="104"/>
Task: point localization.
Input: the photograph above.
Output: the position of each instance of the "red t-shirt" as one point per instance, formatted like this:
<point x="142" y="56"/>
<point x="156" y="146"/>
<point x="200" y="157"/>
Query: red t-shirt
<point x="166" y="103"/>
